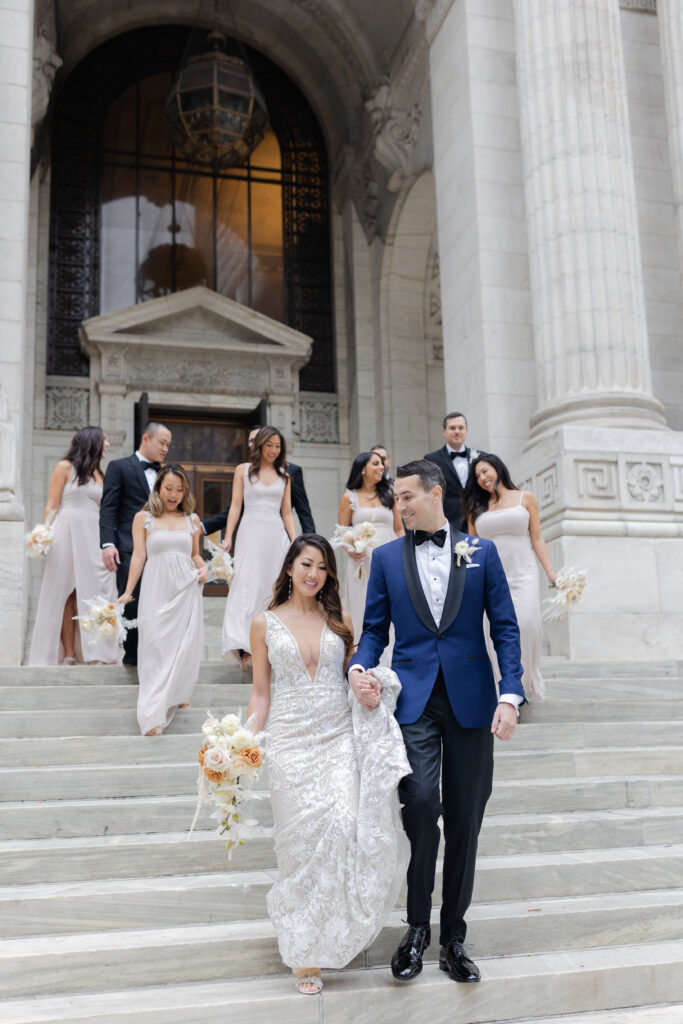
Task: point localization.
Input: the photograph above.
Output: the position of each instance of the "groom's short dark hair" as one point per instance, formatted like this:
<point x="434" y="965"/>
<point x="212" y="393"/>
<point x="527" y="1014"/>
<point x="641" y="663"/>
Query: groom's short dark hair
<point x="429" y="473"/>
<point x="153" y="427"/>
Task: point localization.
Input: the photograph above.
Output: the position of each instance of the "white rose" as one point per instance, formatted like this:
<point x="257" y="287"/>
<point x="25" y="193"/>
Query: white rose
<point x="230" y="724"/>
<point x="107" y="629"/>
<point x="216" y="758"/>
<point x="241" y="739"/>
<point x="86" y="626"/>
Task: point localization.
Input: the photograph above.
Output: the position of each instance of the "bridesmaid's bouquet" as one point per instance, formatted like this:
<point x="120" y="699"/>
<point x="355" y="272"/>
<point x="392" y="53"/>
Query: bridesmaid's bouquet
<point x="229" y="757"/>
<point x="39" y="539"/>
<point x="570" y="584"/>
<point x="359" y="539"/>
<point x="220" y="566"/>
<point x="104" y="619"/>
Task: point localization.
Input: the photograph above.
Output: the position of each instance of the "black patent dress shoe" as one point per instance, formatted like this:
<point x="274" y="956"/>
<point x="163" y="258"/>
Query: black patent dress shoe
<point x="457" y="964"/>
<point x="406" y="963"/>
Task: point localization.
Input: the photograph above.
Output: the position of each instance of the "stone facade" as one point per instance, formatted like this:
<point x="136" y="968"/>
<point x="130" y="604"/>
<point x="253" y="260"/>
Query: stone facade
<point x="506" y="191"/>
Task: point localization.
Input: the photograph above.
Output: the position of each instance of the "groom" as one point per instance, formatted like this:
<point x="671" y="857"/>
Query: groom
<point x="448" y="709"/>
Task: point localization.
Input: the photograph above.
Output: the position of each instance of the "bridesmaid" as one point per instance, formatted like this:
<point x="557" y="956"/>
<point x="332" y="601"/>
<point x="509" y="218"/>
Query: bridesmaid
<point x="369" y="497"/>
<point x="73" y="569"/>
<point x="262" y="486"/>
<point x="171" y="626"/>
<point x="498" y="511"/>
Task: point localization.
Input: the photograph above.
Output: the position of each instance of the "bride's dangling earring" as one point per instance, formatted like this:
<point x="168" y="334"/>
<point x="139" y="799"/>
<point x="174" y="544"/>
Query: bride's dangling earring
<point x="289" y="591"/>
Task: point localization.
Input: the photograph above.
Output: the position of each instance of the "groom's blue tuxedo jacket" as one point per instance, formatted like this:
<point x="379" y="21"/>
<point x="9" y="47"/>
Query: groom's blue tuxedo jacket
<point x="457" y="645"/>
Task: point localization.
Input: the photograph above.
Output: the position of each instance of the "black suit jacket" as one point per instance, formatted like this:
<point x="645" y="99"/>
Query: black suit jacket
<point x="299" y="503"/>
<point x="125" y="492"/>
<point x="452" y="499"/>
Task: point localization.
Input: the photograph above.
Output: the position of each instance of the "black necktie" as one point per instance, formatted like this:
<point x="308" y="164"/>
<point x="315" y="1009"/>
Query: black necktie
<point x="459" y="455"/>
<point x="156" y="466"/>
<point x="439" y="537"/>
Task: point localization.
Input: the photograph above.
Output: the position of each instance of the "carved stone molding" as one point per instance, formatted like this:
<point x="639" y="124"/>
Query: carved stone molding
<point x="646" y="6"/>
<point x="432" y="12"/>
<point x="432" y="311"/>
<point x="336" y="30"/>
<point x="66" y="408"/>
<point x="319" y="419"/>
<point x="645" y="481"/>
<point x="395" y="133"/>
<point x="547" y="492"/>
<point x="46" y="63"/>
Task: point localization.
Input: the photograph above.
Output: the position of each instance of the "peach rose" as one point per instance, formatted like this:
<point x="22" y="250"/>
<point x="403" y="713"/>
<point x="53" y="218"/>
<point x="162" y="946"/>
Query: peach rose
<point x="212" y="776"/>
<point x="251" y="757"/>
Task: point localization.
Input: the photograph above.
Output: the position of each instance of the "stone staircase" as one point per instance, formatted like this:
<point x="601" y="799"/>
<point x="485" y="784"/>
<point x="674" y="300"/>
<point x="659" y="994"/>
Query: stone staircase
<point x="110" y="913"/>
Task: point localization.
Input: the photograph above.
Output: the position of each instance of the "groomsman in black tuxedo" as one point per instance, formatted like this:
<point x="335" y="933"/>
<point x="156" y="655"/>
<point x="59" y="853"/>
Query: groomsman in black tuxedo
<point x="127" y="486"/>
<point x="454" y="462"/>
<point x="299" y="497"/>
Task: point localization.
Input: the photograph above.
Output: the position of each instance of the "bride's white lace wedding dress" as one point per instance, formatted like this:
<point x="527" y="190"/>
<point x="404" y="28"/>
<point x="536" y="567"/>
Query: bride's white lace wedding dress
<point x="334" y="768"/>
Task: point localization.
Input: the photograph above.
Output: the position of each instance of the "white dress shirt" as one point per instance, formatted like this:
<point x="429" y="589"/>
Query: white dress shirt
<point x="460" y="465"/>
<point x="150" y="472"/>
<point x="434" y="570"/>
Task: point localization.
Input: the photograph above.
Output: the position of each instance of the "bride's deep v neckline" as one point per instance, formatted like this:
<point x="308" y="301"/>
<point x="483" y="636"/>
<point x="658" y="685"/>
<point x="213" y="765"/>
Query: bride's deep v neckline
<point x="298" y="649"/>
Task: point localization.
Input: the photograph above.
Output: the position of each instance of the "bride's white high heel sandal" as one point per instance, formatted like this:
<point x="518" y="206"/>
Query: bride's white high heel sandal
<point x="313" y="980"/>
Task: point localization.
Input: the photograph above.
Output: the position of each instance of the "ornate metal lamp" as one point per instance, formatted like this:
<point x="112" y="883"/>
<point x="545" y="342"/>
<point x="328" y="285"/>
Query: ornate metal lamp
<point x="215" y="111"/>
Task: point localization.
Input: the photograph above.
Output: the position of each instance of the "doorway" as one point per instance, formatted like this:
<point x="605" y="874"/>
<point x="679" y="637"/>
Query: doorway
<point x="209" y="447"/>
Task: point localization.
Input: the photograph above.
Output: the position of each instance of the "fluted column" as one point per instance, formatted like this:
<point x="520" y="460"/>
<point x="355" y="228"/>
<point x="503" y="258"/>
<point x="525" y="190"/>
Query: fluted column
<point x="588" y="303"/>
<point x="670" y="18"/>
<point x="16" y="34"/>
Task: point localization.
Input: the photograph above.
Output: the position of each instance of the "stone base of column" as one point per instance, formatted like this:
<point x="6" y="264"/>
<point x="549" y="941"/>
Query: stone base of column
<point x="611" y="502"/>
<point x="12" y="561"/>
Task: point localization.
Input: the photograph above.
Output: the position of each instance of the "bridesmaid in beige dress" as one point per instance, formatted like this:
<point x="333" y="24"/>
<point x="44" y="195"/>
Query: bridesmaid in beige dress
<point x="264" y="489"/>
<point x="369" y="497"/>
<point x="171" y="625"/>
<point x="73" y="567"/>
<point x="498" y="511"/>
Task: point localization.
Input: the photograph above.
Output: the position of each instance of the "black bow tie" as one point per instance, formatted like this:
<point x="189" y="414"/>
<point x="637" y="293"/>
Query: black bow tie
<point x="459" y="455"/>
<point x="439" y="537"/>
<point x="156" y="466"/>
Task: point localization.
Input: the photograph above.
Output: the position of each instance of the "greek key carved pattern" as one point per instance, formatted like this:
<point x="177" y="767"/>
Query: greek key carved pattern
<point x="319" y="420"/>
<point x="677" y="479"/>
<point x="645" y="481"/>
<point x="596" y="479"/>
<point x="547" y="487"/>
<point x="66" y="408"/>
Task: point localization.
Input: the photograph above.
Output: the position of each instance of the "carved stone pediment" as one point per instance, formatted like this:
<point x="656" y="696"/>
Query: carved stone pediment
<point x="200" y="319"/>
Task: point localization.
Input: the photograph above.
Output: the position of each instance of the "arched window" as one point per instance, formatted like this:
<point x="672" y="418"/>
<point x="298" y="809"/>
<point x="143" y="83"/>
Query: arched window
<point x="132" y="219"/>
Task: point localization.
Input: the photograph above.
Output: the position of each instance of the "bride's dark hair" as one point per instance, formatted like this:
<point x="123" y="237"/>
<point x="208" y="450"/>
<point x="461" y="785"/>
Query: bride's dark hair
<point x="475" y="499"/>
<point x="328" y="596"/>
<point x="85" y="453"/>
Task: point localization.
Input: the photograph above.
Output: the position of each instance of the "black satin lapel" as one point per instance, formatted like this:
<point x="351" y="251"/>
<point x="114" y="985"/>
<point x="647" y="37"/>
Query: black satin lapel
<point x="456" y="583"/>
<point x="415" y="591"/>
<point x="140" y="473"/>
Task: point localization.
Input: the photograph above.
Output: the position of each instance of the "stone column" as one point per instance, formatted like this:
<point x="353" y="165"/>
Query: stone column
<point x="16" y="33"/>
<point x="670" y="18"/>
<point x="588" y="301"/>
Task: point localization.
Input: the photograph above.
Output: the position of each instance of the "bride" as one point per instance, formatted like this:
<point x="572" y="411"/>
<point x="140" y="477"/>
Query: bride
<point x="333" y="768"/>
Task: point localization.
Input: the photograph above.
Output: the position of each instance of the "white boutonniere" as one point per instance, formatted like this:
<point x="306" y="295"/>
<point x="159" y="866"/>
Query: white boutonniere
<point x="474" y="454"/>
<point x="463" y="549"/>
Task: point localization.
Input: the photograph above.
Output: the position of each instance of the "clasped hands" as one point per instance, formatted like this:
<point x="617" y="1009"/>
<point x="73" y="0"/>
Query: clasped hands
<point x="366" y="688"/>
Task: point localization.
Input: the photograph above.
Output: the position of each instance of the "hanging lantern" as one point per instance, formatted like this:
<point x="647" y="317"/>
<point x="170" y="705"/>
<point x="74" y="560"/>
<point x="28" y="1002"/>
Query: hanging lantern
<point x="216" y="114"/>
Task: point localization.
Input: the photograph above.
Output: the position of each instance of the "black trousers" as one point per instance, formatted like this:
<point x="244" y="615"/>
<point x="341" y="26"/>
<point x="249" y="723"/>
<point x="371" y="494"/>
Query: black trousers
<point x="437" y="745"/>
<point x="130" y="644"/>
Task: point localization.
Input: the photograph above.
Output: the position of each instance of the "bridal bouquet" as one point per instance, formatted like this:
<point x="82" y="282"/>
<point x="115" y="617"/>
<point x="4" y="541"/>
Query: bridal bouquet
<point x="220" y="567"/>
<point x="570" y="584"/>
<point x="229" y="757"/>
<point x="104" y="619"/>
<point x="359" y="539"/>
<point x="39" y="539"/>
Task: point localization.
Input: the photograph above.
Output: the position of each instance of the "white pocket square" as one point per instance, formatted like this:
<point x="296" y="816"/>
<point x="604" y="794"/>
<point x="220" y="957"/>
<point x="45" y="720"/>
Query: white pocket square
<point x="472" y="565"/>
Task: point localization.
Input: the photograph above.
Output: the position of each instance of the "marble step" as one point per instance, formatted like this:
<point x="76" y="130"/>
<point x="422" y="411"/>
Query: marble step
<point x="97" y="696"/>
<point x="98" y="723"/>
<point x="211" y="671"/>
<point x="221" y="896"/>
<point x="45" y="819"/>
<point x="577" y="982"/>
<point x="41" y="965"/>
<point x="518" y="795"/>
<point x="168" y="853"/>
<point x="663" y="1014"/>
<point x="614" y="708"/>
